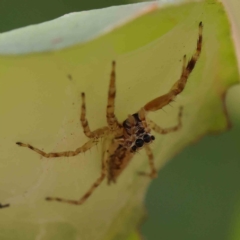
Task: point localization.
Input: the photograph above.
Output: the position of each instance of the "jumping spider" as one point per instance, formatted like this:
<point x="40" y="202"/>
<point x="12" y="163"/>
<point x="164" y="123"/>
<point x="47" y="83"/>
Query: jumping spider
<point x="122" y="140"/>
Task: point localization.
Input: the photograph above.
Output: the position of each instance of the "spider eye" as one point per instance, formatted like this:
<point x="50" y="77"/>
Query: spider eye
<point x="152" y="137"/>
<point x="139" y="142"/>
<point x="134" y="148"/>
<point x="146" y="138"/>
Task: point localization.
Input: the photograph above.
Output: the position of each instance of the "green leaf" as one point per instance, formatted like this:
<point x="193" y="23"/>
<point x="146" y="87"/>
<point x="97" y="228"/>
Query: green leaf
<point x="42" y="75"/>
<point x="134" y="236"/>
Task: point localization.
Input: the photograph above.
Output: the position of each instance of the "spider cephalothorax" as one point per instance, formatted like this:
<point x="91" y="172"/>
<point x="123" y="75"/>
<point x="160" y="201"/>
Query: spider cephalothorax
<point x="121" y="141"/>
<point x="134" y="129"/>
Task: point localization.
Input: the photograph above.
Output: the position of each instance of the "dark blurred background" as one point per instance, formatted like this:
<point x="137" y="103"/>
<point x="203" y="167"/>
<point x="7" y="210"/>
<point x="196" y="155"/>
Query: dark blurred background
<point x="20" y="13"/>
<point x="197" y="195"/>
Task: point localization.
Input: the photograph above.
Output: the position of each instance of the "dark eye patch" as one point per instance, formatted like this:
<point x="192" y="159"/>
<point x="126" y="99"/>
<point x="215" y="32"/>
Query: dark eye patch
<point x="139" y="142"/>
<point x="134" y="148"/>
<point x="146" y="138"/>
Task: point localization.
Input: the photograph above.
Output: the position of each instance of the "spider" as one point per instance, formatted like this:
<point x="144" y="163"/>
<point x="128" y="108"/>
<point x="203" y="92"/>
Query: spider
<point x="123" y="140"/>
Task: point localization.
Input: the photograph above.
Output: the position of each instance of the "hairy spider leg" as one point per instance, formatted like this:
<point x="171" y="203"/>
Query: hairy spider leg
<point x="83" y="119"/>
<point x="178" y="87"/>
<point x="105" y="156"/>
<point x="86" y="129"/>
<point x="149" y="123"/>
<point x="160" y="130"/>
<point x="89" y="144"/>
<point x="111" y="118"/>
<point x="94" y="136"/>
<point x="142" y="117"/>
<point x="156" y="128"/>
<point x="153" y="173"/>
<point x="132" y="122"/>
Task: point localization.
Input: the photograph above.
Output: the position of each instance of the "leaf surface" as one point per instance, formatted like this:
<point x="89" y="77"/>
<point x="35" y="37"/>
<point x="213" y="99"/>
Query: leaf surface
<point x="42" y="75"/>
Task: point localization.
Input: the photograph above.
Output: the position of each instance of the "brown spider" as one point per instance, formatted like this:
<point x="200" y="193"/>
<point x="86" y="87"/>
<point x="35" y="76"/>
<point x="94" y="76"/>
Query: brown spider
<point x="122" y="140"/>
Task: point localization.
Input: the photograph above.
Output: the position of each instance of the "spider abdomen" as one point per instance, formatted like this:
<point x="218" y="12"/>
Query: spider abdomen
<point x="118" y="162"/>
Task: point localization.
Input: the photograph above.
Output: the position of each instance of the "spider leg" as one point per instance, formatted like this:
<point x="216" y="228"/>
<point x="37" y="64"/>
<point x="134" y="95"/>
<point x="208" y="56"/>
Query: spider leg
<point x="155" y="127"/>
<point x="142" y="117"/>
<point x="153" y="173"/>
<point x="178" y="87"/>
<point x="132" y="122"/>
<point x="92" y="188"/>
<point x="160" y="130"/>
<point x="94" y="138"/>
<point x="86" y="129"/>
<point x="81" y="149"/>
<point x="83" y="119"/>
<point x="111" y="119"/>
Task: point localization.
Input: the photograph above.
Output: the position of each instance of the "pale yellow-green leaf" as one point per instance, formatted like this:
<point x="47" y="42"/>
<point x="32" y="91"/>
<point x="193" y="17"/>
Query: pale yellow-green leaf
<point x="232" y="8"/>
<point x="40" y="105"/>
<point x="134" y="236"/>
